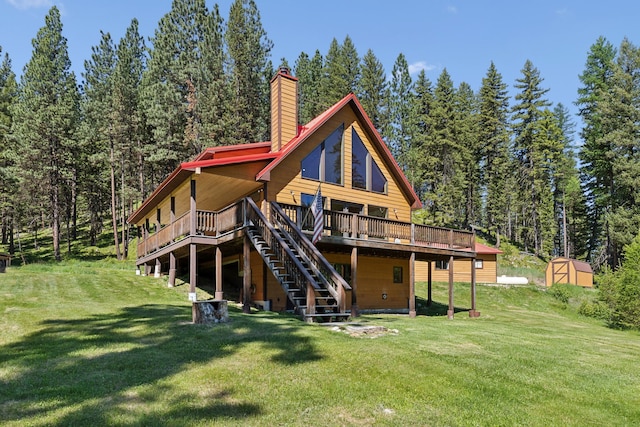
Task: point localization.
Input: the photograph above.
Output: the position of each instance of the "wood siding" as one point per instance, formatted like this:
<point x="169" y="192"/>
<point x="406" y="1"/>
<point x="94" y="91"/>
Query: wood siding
<point x="375" y="278"/>
<point x="461" y="270"/>
<point x="284" y="111"/>
<point x="287" y="183"/>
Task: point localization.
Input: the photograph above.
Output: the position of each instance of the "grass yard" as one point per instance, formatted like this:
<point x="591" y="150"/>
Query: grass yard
<point x="89" y="343"/>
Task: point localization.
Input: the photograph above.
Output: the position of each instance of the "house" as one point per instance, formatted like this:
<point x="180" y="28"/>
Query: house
<point x="486" y="267"/>
<point x="241" y="217"/>
<point x="570" y="271"/>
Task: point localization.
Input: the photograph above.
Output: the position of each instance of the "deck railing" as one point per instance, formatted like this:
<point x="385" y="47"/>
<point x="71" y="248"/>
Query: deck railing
<point x="208" y="223"/>
<point x="368" y="227"/>
<point x="343" y="224"/>
<point x="334" y="283"/>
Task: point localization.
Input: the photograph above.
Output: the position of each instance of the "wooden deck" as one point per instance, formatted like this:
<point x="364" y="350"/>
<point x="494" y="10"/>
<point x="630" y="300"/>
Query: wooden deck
<point x="341" y="228"/>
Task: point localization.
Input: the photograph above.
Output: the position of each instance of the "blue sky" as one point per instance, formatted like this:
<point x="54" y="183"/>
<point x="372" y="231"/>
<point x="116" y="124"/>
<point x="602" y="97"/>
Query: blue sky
<point x="463" y="36"/>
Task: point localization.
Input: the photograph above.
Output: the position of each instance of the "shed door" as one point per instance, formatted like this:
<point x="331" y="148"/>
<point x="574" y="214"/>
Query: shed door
<point x="560" y="272"/>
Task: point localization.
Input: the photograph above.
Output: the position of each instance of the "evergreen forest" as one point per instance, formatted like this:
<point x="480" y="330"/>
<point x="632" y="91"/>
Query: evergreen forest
<point x="504" y="160"/>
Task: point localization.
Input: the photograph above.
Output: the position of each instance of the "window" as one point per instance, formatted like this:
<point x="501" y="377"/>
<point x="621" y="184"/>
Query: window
<point x="378" y="211"/>
<point x="397" y="274"/>
<point x="479" y="264"/>
<point x="442" y="265"/>
<point x="365" y="173"/>
<point x="324" y="163"/>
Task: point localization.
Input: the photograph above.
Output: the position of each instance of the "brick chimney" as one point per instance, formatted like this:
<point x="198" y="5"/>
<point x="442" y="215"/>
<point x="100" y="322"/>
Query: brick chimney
<point x="284" y="109"/>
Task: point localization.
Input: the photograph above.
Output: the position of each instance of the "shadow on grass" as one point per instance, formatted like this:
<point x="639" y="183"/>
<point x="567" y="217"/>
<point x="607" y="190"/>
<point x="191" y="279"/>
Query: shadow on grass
<point x="435" y="309"/>
<point x="90" y="367"/>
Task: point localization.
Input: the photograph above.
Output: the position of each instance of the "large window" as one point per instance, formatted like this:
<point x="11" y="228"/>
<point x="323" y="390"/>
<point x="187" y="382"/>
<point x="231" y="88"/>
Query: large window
<point x="324" y="163"/>
<point x="365" y="172"/>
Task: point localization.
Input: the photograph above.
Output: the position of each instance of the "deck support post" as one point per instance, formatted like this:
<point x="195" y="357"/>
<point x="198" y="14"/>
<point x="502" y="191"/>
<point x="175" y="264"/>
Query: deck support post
<point x="172" y="270"/>
<point x="412" y="285"/>
<point x="157" y="269"/>
<point x="450" y="311"/>
<point x="311" y="301"/>
<point x="354" y="282"/>
<point x="246" y="275"/>
<point x="429" y="284"/>
<point x="193" y="267"/>
<point x="219" y="295"/>
<point x="192" y="209"/>
<point x="473" y="312"/>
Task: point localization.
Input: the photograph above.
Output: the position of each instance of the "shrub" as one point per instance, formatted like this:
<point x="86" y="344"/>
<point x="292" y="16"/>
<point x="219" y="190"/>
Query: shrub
<point x="560" y="292"/>
<point x="596" y="309"/>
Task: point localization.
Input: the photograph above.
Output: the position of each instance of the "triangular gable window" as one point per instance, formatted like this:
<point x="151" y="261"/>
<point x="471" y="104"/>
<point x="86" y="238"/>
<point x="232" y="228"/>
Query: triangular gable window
<point x="324" y="163"/>
<point x="366" y="174"/>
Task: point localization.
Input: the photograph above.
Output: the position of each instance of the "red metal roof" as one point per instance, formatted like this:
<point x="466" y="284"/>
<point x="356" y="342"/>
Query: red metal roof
<point x="486" y="250"/>
<point x="261" y="151"/>
<point x="217" y="156"/>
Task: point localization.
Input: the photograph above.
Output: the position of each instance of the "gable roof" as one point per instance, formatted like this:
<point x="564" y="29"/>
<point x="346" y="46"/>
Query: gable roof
<point x="578" y="265"/>
<point x="261" y="152"/>
<point x="310" y="128"/>
<point x="209" y="158"/>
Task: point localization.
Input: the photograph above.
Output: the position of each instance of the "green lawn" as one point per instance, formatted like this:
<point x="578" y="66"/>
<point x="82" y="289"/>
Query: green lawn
<point x="85" y="343"/>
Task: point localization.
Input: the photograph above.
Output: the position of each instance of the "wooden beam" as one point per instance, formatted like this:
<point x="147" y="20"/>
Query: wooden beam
<point x="193" y="208"/>
<point x="450" y="311"/>
<point x="412" y="285"/>
<point x="193" y="267"/>
<point x="429" y="284"/>
<point x="172" y="269"/>
<point x="246" y="277"/>
<point x="158" y="268"/>
<point x="473" y="312"/>
<point x="354" y="282"/>
<point x="219" y="295"/>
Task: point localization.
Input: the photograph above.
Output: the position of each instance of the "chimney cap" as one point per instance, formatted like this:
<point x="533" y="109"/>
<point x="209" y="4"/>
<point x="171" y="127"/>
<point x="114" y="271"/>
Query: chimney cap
<point x="284" y="70"/>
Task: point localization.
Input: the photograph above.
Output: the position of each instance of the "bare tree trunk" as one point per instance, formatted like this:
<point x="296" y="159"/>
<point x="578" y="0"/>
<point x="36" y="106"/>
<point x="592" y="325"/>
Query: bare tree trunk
<point x="114" y="212"/>
<point x="55" y="221"/>
<point x="124" y="206"/>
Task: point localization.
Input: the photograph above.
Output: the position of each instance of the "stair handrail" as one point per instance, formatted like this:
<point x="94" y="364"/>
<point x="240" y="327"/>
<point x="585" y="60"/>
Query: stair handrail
<point x="325" y="271"/>
<point x="294" y="267"/>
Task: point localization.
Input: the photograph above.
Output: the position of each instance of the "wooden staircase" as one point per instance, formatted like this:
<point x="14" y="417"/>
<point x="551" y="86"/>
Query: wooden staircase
<point x="317" y="292"/>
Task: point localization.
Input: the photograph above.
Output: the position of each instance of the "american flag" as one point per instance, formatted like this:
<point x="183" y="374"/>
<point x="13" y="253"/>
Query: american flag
<point x="318" y="216"/>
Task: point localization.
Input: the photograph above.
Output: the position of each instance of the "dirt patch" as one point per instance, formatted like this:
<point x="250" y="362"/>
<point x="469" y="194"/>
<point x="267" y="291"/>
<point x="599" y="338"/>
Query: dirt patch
<point x="359" y="331"/>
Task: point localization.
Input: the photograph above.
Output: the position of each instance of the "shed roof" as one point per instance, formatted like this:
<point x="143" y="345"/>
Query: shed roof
<point x="578" y="265"/>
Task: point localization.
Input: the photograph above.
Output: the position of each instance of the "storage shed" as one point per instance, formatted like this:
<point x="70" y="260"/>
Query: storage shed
<point x="5" y="261"/>
<point x="570" y="271"/>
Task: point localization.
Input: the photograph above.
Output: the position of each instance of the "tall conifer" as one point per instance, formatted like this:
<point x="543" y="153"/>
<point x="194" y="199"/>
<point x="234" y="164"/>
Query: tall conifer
<point x="45" y="119"/>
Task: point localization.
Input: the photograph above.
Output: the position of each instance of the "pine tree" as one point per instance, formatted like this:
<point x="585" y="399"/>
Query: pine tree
<point x="570" y="205"/>
<point x="471" y="154"/>
<point x="596" y="167"/>
<point x="398" y="133"/>
<point x="309" y="74"/>
<point x="422" y="105"/>
<point x="128" y="128"/>
<point x="341" y="72"/>
<point x="446" y="181"/>
<point x="172" y="84"/>
<point x="97" y="135"/>
<point x="45" y="118"/>
<point x="619" y="112"/>
<point x="372" y="87"/>
<point x="493" y="134"/>
<point x="249" y="50"/>
<point x="8" y="179"/>
<point x="216" y="127"/>
<point x="529" y="142"/>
